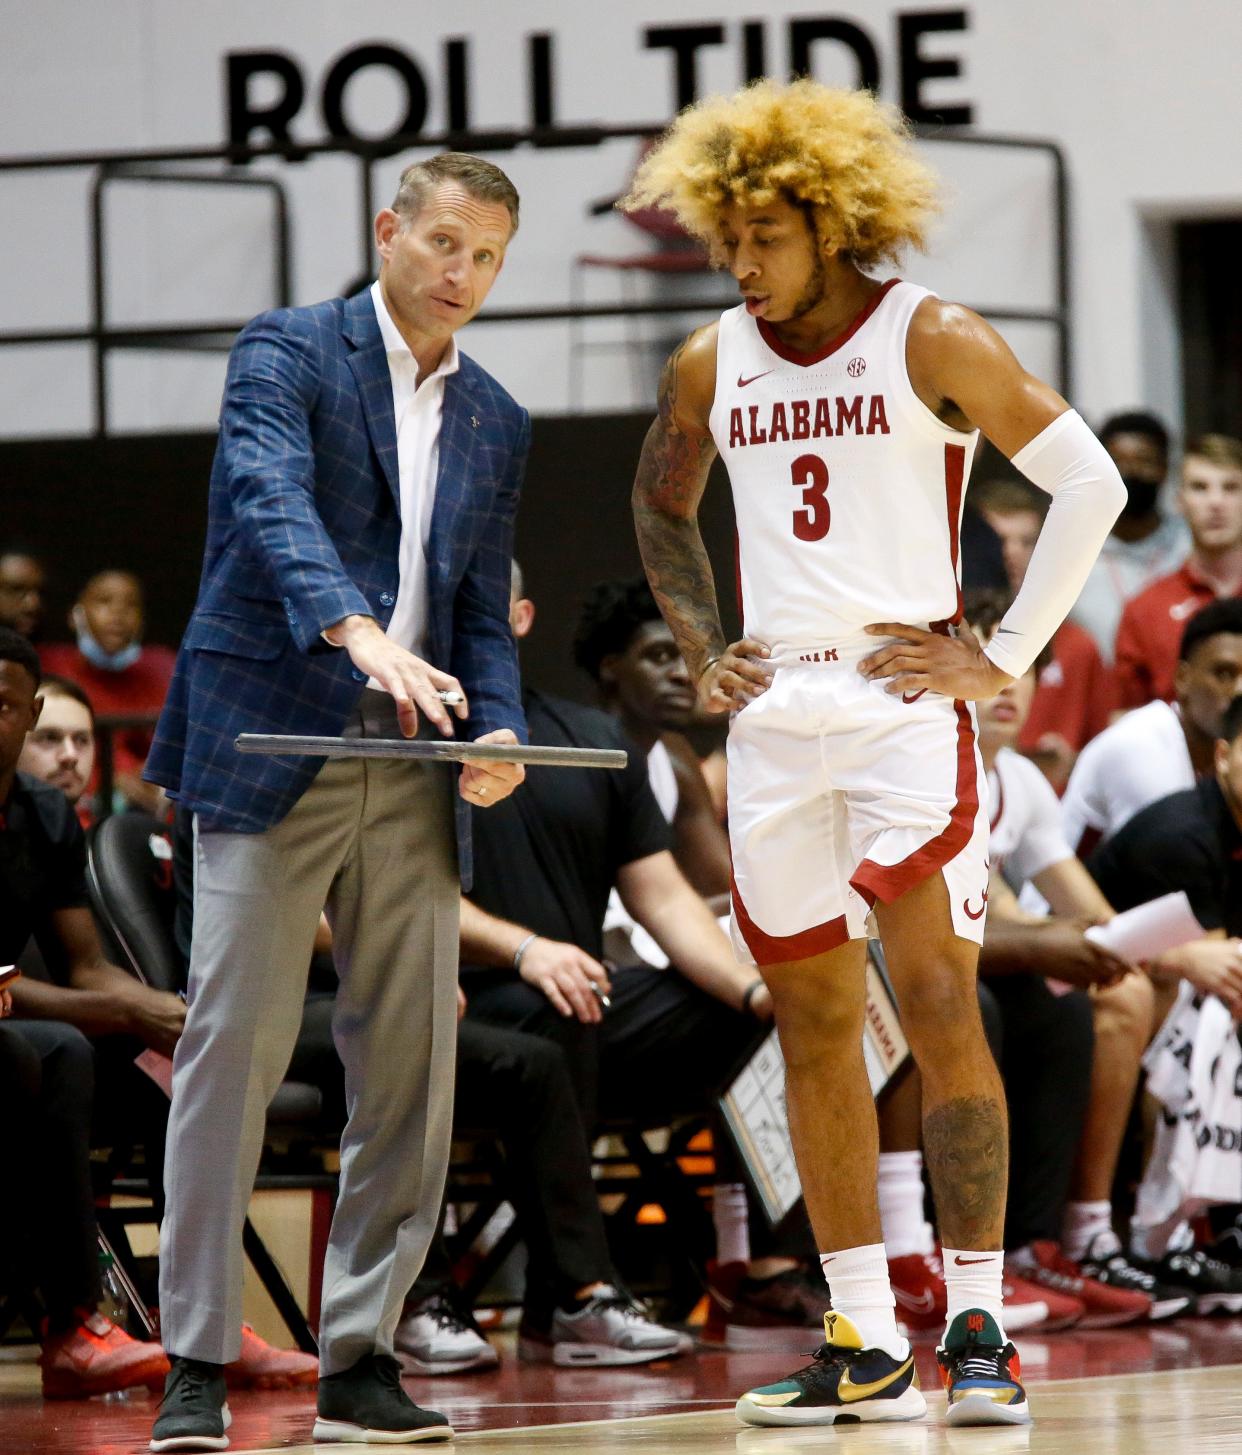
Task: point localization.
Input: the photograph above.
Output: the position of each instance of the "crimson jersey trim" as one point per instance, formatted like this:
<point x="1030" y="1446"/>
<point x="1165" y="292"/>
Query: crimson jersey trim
<point x="773" y="341"/>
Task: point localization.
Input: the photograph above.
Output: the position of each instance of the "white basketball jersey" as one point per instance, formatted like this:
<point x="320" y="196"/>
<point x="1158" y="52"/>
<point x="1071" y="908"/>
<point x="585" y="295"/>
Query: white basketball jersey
<point x="846" y="488"/>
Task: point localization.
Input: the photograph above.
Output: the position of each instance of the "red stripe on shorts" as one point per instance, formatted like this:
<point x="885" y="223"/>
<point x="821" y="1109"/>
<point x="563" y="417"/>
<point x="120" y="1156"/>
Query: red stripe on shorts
<point x="777" y="949"/>
<point x="887" y="882"/>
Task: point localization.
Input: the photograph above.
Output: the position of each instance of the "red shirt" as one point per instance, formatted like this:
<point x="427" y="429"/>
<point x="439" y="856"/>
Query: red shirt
<point x="1074" y="694"/>
<point x="138" y="689"/>
<point x="1150" y="635"/>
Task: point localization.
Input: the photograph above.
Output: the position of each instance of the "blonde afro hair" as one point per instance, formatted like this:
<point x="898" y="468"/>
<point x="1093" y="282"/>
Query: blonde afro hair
<point x="842" y="154"/>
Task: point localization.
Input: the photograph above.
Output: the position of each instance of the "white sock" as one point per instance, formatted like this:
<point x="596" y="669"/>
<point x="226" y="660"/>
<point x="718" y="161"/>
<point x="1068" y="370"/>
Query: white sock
<point x="1083" y="1223"/>
<point x="973" y="1280"/>
<point x="1151" y="1244"/>
<point x="858" y="1282"/>
<point x="731" y="1219"/>
<point x="900" y="1187"/>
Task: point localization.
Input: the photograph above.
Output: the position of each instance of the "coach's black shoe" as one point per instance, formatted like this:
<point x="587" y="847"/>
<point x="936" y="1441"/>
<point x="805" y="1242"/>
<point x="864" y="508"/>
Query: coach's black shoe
<point x="365" y="1405"/>
<point x="193" y="1413"/>
<point x="844" y="1384"/>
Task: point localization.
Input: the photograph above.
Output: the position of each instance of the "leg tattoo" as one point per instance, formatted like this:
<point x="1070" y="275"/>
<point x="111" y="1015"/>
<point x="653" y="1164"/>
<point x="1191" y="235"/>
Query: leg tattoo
<point x="966" y="1142"/>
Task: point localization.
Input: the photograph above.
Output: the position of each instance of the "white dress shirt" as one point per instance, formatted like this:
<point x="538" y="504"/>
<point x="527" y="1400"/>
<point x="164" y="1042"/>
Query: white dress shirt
<point x="417" y="410"/>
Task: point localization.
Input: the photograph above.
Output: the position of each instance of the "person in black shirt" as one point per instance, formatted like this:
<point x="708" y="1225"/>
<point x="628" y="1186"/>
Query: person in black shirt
<point x="49" y="1234"/>
<point x="1192" y="841"/>
<point x="640" y="1043"/>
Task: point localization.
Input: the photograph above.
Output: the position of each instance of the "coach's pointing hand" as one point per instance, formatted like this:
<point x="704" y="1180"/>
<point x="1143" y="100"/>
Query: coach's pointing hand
<point x="920" y="661"/>
<point x="410" y="682"/>
<point x="736" y="677"/>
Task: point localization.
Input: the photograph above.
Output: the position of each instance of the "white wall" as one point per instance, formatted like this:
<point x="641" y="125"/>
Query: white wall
<point x="1142" y="94"/>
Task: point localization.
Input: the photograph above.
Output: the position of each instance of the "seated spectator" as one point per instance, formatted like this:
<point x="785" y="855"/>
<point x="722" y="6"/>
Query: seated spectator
<point x="60" y="749"/>
<point x="625" y="647"/>
<point x="1145" y="544"/>
<point x="639" y="1042"/>
<point x="1152" y="622"/>
<point x="1074" y="694"/>
<point x="1160" y="748"/>
<point x="46" y="1071"/>
<point x="21" y="592"/>
<point x="122" y="675"/>
<point x="1191" y="841"/>
<point x="86" y="1010"/>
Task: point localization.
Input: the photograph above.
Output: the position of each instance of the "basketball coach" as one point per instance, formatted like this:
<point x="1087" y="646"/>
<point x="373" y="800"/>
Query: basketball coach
<point x="357" y="564"/>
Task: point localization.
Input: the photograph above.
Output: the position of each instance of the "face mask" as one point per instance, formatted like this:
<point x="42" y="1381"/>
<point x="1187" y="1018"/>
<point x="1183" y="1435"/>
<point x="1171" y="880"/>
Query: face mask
<point x="1140" y="496"/>
<point x="95" y="654"/>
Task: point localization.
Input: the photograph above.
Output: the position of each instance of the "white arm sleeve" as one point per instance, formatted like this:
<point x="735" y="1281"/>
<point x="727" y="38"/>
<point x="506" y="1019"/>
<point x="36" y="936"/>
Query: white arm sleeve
<point x="1070" y="464"/>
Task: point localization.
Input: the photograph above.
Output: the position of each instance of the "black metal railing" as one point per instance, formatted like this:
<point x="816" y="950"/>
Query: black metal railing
<point x="167" y="165"/>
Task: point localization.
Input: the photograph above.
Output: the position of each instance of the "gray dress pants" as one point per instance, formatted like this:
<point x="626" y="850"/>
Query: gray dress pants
<point x="372" y="841"/>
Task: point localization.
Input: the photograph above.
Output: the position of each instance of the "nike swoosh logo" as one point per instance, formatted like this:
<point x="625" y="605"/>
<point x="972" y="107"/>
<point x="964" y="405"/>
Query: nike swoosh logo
<point x="974" y="914"/>
<point x="924" y="1304"/>
<point x="742" y="383"/>
<point x="848" y="1392"/>
<point x="959" y="1260"/>
<point x="1008" y="630"/>
<point x="909" y="697"/>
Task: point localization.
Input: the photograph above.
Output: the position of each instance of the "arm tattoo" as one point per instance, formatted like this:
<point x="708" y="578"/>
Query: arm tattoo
<point x="672" y="473"/>
<point x="966" y="1142"/>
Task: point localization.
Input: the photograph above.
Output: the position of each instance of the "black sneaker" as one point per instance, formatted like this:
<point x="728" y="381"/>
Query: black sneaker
<point x="844" y="1384"/>
<point x="193" y="1414"/>
<point x="982" y="1377"/>
<point x="365" y="1405"/>
<point x="1228" y="1245"/>
<point x="1213" y="1286"/>
<point x="1106" y="1263"/>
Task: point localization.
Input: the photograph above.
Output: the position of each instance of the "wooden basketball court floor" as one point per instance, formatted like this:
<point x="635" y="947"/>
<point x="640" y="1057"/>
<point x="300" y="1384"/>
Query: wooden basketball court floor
<point x="1170" y="1390"/>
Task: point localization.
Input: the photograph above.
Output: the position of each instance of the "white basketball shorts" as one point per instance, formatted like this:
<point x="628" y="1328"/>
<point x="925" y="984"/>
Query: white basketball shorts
<point x="842" y="795"/>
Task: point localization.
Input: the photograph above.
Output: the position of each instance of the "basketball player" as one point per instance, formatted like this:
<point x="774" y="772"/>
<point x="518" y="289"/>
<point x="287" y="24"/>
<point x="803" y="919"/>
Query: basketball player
<point x="847" y="411"/>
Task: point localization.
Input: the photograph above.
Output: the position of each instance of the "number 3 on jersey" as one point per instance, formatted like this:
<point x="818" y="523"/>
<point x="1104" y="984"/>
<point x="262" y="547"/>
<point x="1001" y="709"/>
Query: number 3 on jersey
<point x="811" y="475"/>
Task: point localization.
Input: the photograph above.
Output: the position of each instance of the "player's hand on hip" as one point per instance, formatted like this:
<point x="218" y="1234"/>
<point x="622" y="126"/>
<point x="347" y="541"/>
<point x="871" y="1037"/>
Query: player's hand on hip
<point x="411" y="683"/>
<point x="736" y="677"/>
<point x="575" y="983"/>
<point x="921" y="661"/>
<point x="483" y="784"/>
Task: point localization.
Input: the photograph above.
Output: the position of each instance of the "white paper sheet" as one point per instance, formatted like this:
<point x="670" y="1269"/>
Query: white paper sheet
<point x="1150" y="929"/>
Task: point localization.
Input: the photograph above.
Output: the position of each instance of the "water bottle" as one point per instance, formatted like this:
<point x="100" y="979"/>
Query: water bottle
<point x="113" y="1300"/>
<point x="114" y="1305"/>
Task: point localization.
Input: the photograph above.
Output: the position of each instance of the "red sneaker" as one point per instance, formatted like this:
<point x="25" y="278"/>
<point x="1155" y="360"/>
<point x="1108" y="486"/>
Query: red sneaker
<point x="260" y="1366"/>
<point x="746" y="1313"/>
<point x="97" y="1357"/>
<point x="917" y="1281"/>
<point x="1104" y="1306"/>
<point x="1031" y="1306"/>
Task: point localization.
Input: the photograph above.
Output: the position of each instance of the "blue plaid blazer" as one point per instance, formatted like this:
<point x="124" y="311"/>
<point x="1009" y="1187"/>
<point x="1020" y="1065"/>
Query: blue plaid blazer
<point x="303" y="529"/>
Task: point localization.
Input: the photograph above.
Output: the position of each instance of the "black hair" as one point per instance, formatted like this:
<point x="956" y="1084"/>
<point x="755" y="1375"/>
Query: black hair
<point x="15" y="648"/>
<point x="612" y="612"/>
<point x="59" y="686"/>
<point x="1135" y="421"/>
<point x="982" y="610"/>
<point x="1211" y="620"/>
<point x="1231" y="723"/>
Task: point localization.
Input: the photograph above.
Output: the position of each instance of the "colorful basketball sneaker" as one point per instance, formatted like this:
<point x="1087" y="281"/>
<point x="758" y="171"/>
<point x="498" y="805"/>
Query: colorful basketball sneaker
<point x="981" y="1375"/>
<point x="844" y="1384"/>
